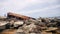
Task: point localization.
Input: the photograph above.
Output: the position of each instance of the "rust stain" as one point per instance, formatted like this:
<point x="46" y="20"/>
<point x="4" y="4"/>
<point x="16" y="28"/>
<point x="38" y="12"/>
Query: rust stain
<point x="19" y="16"/>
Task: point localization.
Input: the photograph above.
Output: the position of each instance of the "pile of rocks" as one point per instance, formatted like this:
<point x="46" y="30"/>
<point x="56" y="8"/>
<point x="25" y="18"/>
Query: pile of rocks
<point x="38" y="26"/>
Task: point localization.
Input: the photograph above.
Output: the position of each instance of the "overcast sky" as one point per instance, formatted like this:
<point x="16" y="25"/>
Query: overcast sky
<point x="32" y="8"/>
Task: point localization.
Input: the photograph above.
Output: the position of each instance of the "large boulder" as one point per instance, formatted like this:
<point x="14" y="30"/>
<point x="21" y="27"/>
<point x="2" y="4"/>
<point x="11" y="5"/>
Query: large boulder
<point x="18" y="23"/>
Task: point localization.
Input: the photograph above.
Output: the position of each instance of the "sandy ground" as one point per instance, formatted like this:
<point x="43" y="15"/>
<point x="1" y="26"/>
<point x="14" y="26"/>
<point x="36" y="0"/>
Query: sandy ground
<point x="9" y="31"/>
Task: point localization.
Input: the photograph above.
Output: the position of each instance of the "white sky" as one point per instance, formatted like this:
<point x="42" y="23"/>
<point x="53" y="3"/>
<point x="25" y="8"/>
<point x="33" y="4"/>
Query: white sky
<point x="32" y="8"/>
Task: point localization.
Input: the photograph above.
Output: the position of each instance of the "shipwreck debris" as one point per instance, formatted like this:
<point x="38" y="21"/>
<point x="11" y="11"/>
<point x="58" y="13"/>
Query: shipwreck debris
<point x="27" y="25"/>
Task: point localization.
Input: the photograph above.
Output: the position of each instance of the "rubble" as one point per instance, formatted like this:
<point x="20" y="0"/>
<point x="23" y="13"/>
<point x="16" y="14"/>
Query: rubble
<point x="28" y="25"/>
<point x="3" y="25"/>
